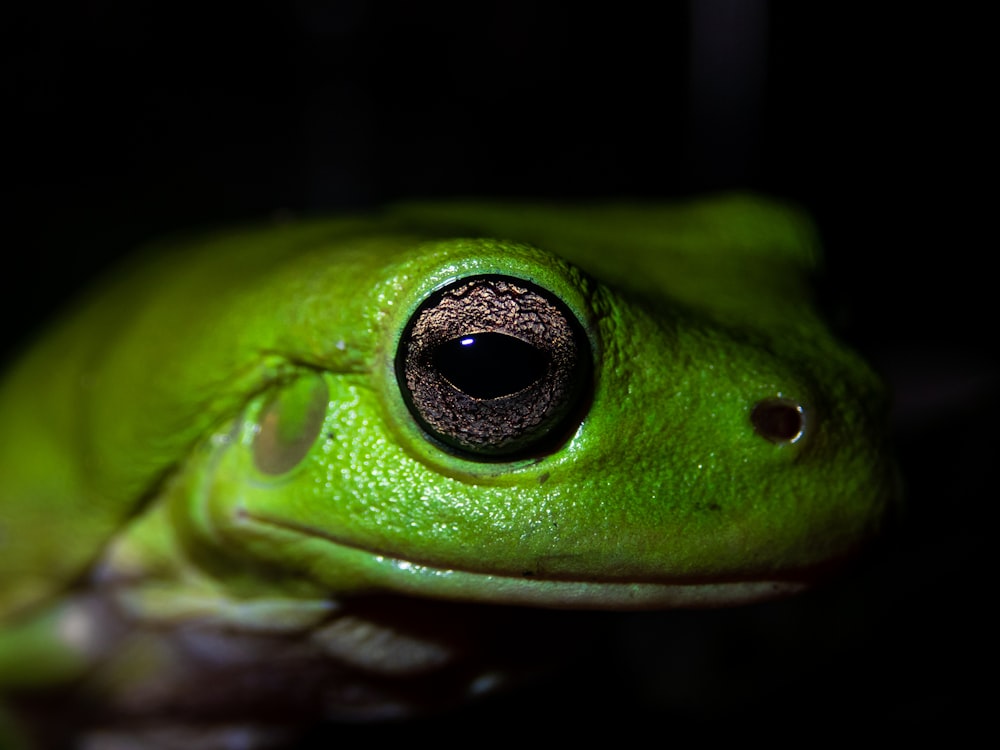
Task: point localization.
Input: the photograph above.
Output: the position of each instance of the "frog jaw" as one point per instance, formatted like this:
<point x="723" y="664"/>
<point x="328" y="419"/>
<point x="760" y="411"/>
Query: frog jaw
<point x="507" y="589"/>
<point x="346" y="566"/>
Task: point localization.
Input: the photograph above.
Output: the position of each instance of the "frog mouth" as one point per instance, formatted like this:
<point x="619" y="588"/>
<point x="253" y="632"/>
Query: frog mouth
<point x="386" y="571"/>
<point x="577" y="594"/>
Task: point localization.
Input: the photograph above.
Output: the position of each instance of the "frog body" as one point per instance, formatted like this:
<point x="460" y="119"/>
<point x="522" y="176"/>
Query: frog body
<point x="268" y="443"/>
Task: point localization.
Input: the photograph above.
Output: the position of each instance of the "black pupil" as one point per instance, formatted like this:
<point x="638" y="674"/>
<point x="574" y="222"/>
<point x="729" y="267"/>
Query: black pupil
<point x="490" y="365"/>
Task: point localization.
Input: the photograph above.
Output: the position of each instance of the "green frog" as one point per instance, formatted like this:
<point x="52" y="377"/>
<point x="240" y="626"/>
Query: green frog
<point x="321" y="450"/>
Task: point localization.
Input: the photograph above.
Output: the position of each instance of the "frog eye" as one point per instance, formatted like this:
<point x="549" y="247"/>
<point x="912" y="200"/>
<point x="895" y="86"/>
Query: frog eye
<point x="779" y="420"/>
<point x="494" y="367"/>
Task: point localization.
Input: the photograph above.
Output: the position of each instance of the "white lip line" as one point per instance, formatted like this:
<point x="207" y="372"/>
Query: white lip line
<point x="390" y="558"/>
<point x="521" y="580"/>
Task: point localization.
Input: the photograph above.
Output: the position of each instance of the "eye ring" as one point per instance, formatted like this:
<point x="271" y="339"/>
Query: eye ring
<point x="494" y="368"/>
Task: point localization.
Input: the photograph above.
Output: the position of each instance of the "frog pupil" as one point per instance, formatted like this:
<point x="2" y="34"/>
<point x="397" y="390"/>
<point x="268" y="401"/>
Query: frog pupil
<point x="490" y="365"/>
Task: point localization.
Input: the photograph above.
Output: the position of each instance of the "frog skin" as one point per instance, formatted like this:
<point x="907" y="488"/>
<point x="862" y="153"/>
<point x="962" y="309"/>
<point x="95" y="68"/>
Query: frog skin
<point x="286" y="450"/>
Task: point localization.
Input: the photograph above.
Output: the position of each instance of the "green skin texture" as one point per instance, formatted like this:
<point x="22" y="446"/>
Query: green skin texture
<point x="133" y="450"/>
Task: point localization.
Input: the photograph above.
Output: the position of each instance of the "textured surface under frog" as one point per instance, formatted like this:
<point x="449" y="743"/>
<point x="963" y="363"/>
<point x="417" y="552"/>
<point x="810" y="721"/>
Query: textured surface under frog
<point x="375" y="658"/>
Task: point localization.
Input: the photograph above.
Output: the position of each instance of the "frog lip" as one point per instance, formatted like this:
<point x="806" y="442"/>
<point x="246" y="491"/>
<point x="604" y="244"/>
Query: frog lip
<point x="388" y="571"/>
<point x="581" y="594"/>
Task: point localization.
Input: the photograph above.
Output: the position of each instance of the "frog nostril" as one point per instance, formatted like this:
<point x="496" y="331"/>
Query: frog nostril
<point x="779" y="420"/>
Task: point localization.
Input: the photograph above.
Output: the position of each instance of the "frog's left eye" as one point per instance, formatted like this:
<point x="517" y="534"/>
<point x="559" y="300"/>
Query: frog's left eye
<point x="494" y="367"/>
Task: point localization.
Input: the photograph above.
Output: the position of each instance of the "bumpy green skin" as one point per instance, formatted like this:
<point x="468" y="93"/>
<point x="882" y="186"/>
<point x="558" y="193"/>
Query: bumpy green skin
<point x="130" y="431"/>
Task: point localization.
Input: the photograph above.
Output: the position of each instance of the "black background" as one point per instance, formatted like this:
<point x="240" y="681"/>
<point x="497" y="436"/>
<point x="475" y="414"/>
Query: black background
<point x="126" y="121"/>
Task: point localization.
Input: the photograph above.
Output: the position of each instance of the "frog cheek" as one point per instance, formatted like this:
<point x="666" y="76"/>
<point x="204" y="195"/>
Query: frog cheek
<point x="289" y="425"/>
